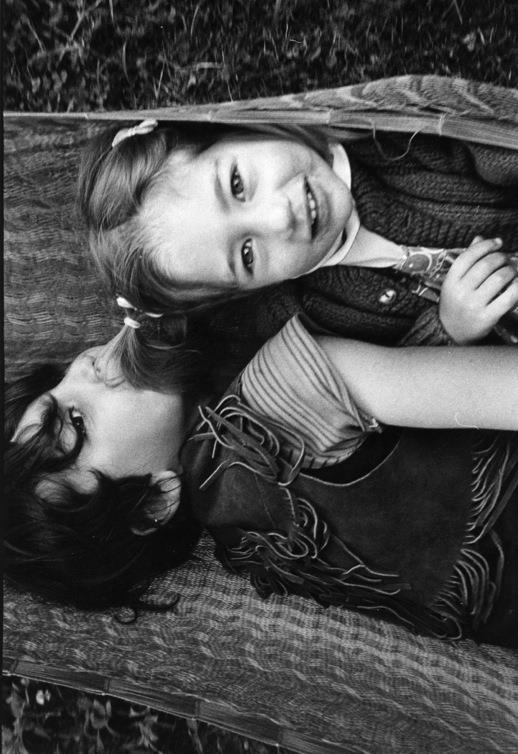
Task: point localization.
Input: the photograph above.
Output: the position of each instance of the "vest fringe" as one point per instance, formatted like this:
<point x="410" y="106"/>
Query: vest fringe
<point x="293" y="563"/>
<point x="469" y="595"/>
<point x="252" y="439"/>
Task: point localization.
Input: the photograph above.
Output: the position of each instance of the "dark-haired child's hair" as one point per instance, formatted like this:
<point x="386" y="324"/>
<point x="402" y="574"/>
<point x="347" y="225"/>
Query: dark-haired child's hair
<point x="78" y="548"/>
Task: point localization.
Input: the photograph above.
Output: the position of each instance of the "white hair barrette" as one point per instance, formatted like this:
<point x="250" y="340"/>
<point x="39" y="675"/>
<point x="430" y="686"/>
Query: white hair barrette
<point x="129" y="321"/>
<point x="143" y="128"/>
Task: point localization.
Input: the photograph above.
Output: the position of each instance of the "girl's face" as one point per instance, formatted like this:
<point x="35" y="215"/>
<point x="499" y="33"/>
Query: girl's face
<point x="245" y="213"/>
<point x="123" y="431"/>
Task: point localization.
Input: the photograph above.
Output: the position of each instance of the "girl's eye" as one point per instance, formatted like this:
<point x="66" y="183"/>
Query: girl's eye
<point x="77" y="421"/>
<point x="236" y="183"/>
<point x="247" y="255"/>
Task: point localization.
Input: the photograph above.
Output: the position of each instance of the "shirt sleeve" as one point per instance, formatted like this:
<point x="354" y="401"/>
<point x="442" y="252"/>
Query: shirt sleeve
<point x="427" y="330"/>
<point x="291" y="382"/>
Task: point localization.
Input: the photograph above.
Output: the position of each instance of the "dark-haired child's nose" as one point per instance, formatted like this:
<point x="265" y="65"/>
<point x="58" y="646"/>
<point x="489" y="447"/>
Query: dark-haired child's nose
<point x="107" y="369"/>
<point x="99" y="365"/>
<point x="98" y="370"/>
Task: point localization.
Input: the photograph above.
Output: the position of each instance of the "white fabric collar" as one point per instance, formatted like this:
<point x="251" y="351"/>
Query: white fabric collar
<point x="345" y="240"/>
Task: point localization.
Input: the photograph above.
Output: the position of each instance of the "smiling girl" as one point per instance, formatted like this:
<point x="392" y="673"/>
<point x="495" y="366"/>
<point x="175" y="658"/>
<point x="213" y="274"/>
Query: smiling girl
<point x="305" y="472"/>
<point x="187" y="216"/>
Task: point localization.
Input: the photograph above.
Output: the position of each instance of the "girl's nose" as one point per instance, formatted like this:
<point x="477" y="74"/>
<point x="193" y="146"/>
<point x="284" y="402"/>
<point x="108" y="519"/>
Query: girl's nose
<point x="272" y="217"/>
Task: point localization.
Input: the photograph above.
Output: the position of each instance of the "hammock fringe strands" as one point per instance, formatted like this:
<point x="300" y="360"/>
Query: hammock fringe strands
<point x="428" y="104"/>
<point x="285" y="670"/>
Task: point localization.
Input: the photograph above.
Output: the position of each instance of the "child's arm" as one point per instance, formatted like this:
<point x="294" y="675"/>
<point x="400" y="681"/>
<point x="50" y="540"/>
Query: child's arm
<point x="430" y="387"/>
<point x="480" y="287"/>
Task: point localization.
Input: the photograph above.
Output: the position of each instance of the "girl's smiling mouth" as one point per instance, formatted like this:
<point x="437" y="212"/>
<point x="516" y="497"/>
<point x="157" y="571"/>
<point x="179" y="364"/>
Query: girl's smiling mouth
<point x="312" y="208"/>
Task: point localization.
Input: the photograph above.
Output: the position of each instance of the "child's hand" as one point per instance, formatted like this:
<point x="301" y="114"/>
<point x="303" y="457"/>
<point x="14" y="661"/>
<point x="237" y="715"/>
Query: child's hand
<point x="480" y="287"/>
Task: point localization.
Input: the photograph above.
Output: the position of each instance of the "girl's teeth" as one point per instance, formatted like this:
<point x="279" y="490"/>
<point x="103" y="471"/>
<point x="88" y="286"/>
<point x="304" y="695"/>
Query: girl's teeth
<point x="312" y="206"/>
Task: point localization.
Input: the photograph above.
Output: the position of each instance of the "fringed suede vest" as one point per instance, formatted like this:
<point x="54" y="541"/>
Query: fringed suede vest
<point x="405" y="528"/>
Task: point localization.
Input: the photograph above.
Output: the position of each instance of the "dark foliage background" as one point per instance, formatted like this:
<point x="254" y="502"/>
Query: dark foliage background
<point x="73" y="55"/>
<point x="89" y="54"/>
<point x="39" y="718"/>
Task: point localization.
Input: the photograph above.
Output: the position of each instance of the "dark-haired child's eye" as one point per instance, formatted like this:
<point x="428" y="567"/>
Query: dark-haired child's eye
<point x="77" y="421"/>
<point x="247" y="255"/>
<point x="236" y="183"/>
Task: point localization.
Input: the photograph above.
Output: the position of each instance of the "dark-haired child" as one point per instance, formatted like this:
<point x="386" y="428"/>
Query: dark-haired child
<point x="305" y="472"/>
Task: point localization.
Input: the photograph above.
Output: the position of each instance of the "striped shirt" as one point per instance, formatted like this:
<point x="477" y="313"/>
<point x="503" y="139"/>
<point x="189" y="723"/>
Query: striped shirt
<point x="292" y="382"/>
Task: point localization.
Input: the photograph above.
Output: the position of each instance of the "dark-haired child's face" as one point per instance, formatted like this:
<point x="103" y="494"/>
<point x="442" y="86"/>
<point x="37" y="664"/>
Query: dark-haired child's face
<point x="122" y="431"/>
<point x="245" y="213"/>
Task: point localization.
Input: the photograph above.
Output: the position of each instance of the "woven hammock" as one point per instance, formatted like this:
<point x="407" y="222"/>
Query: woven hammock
<point x="284" y="671"/>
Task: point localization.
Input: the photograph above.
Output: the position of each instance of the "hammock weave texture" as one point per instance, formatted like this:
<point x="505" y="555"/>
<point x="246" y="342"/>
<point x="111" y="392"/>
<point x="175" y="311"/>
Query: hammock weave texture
<point x="285" y="671"/>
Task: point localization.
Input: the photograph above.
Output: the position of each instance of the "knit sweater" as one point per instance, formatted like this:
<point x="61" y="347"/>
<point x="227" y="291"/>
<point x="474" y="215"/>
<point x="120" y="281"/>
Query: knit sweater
<point x="425" y="190"/>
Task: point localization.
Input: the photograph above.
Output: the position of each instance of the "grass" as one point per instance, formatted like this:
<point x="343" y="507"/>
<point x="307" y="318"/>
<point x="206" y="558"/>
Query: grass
<point x="73" y="55"/>
<point x="111" y="54"/>
<point x="45" y="719"/>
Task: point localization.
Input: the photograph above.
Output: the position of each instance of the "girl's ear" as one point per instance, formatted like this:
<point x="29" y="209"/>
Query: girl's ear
<point x="162" y="505"/>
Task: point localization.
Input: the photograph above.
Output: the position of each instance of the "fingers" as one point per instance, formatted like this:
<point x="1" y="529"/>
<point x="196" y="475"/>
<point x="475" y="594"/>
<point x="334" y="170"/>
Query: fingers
<point x="480" y="288"/>
<point x="505" y="302"/>
<point x="485" y="268"/>
<point x="475" y="252"/>
<point x="496" y="282"/>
